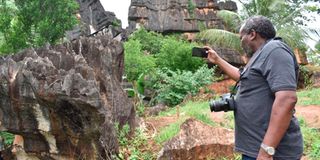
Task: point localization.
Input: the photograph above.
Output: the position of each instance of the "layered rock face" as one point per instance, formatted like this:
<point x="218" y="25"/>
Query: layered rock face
<point x="176" y="15"/>
<point x="64" y="100"/>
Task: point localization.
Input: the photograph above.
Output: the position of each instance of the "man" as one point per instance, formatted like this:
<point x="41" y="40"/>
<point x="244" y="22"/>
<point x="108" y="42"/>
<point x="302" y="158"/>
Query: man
<point x="265" y="126"/>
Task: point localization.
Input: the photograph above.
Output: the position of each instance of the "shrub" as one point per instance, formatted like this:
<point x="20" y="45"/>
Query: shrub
<point x="146" y="50"/>
<point x="150" y="41"/>
<point x="135" y="61"/>
<point x="172" y="86"/>
<point x="176" y="55"/>
<point x="8" y="138"/>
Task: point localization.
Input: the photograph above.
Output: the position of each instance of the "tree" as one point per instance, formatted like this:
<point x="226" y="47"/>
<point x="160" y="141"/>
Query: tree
<point x="288" y="16"/>
<point x="33" y="23"/>
<point x="280" y="12"/>
<point x="228" y="36"/>
<point x="317" y="46"/>
<point x="285" y="15"/>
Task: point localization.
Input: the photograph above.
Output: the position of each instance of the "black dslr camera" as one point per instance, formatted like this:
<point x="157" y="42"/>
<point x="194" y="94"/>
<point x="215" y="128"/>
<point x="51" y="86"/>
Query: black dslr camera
<point x="199" y="52"/>
<point x="225" y="103"/>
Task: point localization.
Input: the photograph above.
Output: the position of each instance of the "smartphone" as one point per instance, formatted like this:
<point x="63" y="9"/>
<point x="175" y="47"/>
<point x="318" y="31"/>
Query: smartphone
<point x="199" y="52"/>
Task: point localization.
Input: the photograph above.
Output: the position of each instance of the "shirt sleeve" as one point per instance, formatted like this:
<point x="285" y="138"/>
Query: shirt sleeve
<point x="280" y="70"/>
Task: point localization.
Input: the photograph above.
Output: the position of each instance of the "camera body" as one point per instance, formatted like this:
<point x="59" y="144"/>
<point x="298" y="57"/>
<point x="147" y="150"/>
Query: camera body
<point x="225" y="103"/>
<point x="199" y="52"/>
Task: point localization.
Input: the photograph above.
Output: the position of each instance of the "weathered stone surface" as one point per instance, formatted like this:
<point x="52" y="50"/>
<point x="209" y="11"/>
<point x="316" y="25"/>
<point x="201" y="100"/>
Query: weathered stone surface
<point x="64" y="100"/>
<point x="301" y="57"/>
<point x="155" y="110"/>
<point x="228" y="5"/>
<point x="230" y="56"/>
<point x="198" y="141"/>
<point x="175" y="15"/>
<point x="93" y="19"/>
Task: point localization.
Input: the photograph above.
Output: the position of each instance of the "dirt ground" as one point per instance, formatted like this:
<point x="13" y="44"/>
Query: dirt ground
<point x="311" y="114"/>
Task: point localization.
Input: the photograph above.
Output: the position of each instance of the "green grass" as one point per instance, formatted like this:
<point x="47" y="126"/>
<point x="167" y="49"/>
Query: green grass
<point x="311" y="140"/>
<point x="198" y="110"/>
<point x="191" y="109"/>
<point x="168" y="132"/>
<point x="309" y="97"/>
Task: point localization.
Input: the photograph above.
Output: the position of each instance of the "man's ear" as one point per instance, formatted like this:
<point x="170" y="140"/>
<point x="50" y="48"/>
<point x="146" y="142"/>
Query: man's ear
<point x="252" y="35"/>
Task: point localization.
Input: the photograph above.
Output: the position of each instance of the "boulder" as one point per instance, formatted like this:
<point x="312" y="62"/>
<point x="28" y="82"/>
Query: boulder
<point x="66" y="100"/>
<point x="198" y="141"/>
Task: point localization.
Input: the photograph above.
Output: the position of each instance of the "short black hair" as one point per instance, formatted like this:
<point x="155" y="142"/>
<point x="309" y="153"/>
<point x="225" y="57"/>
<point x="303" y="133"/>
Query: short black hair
<point x="260" y="24"/>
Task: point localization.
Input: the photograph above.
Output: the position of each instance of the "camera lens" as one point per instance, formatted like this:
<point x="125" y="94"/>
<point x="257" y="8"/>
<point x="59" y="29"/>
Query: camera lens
<point x="219" y="105"/>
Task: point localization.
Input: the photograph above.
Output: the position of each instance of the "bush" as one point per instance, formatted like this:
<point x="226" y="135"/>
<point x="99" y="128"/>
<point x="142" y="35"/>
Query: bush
<point x="172" y="87"/>
<point x="150" y="41"/>
<point x="135" y="61"/>
<point x="8" y="138"/>
<point x="147" y="50"/>
<point x="176" y="55"/>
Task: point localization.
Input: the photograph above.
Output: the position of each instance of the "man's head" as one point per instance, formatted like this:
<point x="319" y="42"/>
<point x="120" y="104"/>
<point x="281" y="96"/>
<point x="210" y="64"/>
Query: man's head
<point x="254" y="32"/>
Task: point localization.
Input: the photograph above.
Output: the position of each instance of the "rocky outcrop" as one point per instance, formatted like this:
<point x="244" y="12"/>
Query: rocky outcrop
<point x="64" y="100"/>
<point x="230" y="56"/>
<point x="198" y="141"/>
<point x="176" y="15"/>
<point x="301" y="57"/>
<point x="93" y="18"/>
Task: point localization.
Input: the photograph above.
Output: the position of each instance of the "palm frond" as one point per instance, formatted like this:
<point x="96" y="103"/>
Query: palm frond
<point x="221" y="38"/>
<point x="232" y="20"/>
<point x="294" y="36"/>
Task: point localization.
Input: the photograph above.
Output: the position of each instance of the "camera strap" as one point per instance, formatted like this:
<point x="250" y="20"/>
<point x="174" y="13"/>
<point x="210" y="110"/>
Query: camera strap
<point x="242" y="70"/>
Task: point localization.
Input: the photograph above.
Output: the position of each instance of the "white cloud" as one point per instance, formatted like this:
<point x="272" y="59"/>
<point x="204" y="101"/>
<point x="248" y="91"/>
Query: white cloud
<point x="119" y="7"/>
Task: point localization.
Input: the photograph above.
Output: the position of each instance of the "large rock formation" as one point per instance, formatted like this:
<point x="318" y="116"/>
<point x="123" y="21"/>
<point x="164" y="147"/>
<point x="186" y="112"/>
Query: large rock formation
<point x="176" y="15"/>
<point x="197" y="141"/>
<point x="184" y="16"/>
<point x="65" y="100"/>
<point x="93" y="18"/>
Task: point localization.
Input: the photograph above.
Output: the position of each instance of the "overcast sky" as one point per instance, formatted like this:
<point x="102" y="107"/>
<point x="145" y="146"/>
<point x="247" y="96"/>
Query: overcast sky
<point x="118" y="7"/>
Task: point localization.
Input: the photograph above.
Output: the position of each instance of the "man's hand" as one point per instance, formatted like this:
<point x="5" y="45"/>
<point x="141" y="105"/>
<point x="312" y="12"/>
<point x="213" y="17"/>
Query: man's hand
<point x="213" y="57"/>
<point x="264" y="155"/>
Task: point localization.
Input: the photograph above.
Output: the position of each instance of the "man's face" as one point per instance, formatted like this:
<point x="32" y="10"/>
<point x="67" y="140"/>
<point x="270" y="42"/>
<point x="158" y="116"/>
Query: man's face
<point x="245" y="43"/>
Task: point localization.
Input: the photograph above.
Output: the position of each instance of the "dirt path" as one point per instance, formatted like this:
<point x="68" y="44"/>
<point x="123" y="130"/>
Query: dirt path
<point x="311" y="115"/>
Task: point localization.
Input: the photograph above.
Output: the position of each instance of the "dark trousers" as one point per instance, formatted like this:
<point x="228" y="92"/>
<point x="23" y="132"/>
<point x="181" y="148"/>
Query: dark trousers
<point x="244" y="157"/>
